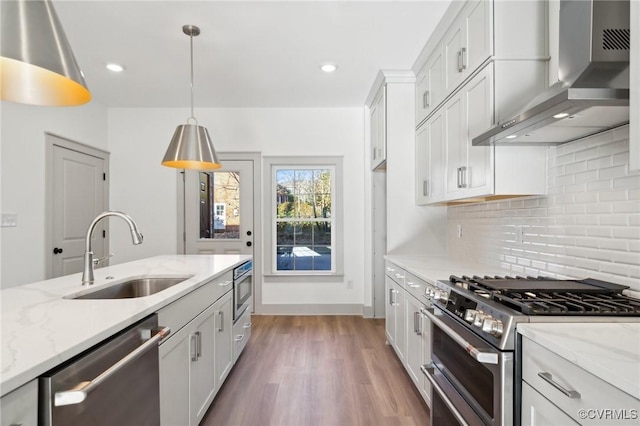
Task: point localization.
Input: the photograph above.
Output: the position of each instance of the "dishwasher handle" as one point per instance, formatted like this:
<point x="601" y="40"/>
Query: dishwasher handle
<point x="79" y="392"/>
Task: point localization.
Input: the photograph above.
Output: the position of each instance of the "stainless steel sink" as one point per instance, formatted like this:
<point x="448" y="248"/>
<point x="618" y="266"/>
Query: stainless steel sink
<point x="137" y="287"/>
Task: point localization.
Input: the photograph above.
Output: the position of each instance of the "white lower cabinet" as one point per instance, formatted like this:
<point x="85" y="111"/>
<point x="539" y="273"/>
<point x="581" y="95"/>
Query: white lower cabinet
<point x="20" y="407"/>
<point x="241" y="334"/>
<point x="539" y="411"/>
<point x="558" y="392"/>
<point x="194" y="363"/>
<point x="408" y="330"/>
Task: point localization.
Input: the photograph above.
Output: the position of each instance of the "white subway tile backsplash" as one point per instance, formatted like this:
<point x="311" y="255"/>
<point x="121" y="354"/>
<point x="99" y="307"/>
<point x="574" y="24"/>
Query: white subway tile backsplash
<point x="587" y="226"/>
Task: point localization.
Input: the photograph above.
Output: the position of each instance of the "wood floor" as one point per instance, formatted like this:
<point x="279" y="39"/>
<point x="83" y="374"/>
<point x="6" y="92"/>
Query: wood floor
<point x="317" y="370"/>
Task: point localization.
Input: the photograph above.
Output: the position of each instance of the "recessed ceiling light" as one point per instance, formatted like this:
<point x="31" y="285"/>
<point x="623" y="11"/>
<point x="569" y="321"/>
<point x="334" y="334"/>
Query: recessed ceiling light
<point x="328" y="67"/>
<point x="115" y="67"/>
<point x="561" y="115"/>
<point x="511" y="136"/>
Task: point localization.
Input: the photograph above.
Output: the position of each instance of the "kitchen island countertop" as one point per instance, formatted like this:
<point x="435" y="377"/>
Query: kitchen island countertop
<point x="42" y="329"/>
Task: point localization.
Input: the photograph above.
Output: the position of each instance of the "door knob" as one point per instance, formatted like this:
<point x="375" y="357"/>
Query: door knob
<point x="57" y="250"/>
<point x="249" y="243"/>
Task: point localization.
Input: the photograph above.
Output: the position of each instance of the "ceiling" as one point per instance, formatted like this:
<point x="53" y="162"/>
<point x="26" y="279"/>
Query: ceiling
<point x="249" y="53"/>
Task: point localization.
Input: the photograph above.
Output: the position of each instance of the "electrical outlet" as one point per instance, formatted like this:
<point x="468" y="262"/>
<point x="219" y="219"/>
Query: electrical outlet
<point x="459" y="231"/>
<point x="9" y="220"/>
<point x="519" y="235"/>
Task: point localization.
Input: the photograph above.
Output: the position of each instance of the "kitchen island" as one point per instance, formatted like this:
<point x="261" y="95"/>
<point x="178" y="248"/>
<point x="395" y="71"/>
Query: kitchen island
<point x="41" y="328"/>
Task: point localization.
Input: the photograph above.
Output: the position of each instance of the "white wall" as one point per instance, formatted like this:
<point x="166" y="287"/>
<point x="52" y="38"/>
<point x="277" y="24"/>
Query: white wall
<point x="138" y="139"/>
<point x="22" y="144"/>
<point x="587" y="226"/>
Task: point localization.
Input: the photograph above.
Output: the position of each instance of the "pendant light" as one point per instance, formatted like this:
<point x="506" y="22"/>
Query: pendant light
<point x="37" y="66"/>
<point x="191" y="146"/>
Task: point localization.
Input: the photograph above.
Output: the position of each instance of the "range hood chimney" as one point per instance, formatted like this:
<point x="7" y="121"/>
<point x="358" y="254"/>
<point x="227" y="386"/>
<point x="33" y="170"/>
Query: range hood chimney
<point x="592" y="94"/>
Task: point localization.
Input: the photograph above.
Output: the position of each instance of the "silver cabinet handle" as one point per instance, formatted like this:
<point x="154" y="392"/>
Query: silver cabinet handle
<point x="225" y="283"/>
<point x="463" y="55"/>
<point x="416" y="323"/>
<point x="221" y="316"/>
<point x="459" y="60"/>
<point x="247" y="325"/>
<point x="547" y="377"/>
<point x="79" y="392"/>
<point x="425" y="99"/>
<point x="193" y="347"/>
<point x="198" y="344"/>
<point x="463" y="173"/>
<point x="412" y="285"/>
<point x="428" y="372"/>
<point x="399" y="276"/>
<point x="425" y="188"/>
<point x="480" y="355"/>
<point x="239" y="338"/>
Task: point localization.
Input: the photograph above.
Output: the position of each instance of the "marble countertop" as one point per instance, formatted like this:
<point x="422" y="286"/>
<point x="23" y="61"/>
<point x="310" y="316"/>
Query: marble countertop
<point x="434" y="268"/>
<point x="41" y="328"/>
<point x="610" y="351"/>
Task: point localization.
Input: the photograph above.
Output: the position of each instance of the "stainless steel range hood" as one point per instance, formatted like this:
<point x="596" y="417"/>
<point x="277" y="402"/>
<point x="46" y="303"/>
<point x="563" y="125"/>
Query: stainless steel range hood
<point x="593" y="92"/>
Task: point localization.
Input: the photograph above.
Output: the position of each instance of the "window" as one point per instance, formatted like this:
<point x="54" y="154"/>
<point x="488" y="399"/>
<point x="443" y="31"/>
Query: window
<point x="304" y="217"/>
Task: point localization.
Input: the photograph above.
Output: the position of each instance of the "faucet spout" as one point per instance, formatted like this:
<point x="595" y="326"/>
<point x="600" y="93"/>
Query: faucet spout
<point x="136" y="238"/>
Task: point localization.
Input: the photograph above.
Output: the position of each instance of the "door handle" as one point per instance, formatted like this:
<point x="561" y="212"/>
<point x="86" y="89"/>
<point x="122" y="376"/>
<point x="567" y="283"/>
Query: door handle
<point x="57" y="250"/>
<point x="79" y="392"/>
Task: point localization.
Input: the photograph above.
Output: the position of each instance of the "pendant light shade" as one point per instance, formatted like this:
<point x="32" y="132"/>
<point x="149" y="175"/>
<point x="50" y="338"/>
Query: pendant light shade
<point x="37" y="66"/>
<point x="191" y="146"/>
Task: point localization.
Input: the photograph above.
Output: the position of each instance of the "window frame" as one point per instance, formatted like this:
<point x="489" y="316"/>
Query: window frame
<point x="272" y="164"/>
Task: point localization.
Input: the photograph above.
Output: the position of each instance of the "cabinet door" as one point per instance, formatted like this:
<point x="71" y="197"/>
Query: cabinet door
<point x="452" y="56"/>
<point x="203" y="383"/>
<point x="430" y="160"/>
<point x="20" y="407"/>
<point x="539" y="411"/>
<point x="429" y="85"/>
<point x="456" y="138"/>
<point x="426" y="358"/>
<point x="401" y="329"/>
<point x="390" y="310"/>
<point x="414" y="327"/>
<point x="378" y="129"/>
<point x="479" y="116"/>
<point x="224" y="338"/>
<point x="175" y="363"/>
<point x="478" y="45"/>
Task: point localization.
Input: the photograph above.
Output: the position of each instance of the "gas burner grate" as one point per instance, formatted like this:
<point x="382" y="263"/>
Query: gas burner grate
<point x="548" y="296"/>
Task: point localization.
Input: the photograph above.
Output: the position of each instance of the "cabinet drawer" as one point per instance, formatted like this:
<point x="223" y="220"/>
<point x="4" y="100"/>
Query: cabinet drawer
<point x="241" y="333"/>
<point x="395" y="272"/>
<point x="416" y="287"/>
<point x="539" y="411"/>
<point x="574" y="390"/>
<point x="179" y="313"/>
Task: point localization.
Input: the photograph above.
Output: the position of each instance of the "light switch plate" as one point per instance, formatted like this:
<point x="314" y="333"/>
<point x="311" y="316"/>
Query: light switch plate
<point x="8" y="220"/>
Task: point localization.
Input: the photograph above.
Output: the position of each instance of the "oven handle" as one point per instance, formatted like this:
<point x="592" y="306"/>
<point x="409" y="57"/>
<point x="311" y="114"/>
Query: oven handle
<point x="79" y="393"/>
<point x="485" y="357"/>
<point x="428" y="372"/>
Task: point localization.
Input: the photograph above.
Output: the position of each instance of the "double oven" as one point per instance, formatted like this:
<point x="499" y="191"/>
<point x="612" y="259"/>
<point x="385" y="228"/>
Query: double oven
<point x="475" y="369"/>
<point x="471" y="382"/>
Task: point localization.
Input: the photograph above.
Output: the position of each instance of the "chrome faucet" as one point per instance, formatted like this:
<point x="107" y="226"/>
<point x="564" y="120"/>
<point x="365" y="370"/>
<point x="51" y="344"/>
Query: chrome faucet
<point x="136" y="236"/>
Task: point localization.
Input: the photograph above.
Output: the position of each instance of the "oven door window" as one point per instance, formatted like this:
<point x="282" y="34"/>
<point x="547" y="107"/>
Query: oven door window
<point x="243" y="291"/>
<point x="464" y="371"/>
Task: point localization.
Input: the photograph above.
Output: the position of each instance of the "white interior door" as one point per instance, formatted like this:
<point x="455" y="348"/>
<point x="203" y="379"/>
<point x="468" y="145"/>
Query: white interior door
<point x="219" y="209"/>
<point x="78" y="196"/>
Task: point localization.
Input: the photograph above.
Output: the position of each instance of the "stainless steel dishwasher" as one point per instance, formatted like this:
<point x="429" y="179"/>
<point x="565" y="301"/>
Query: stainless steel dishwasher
<point x="114" y="383"/>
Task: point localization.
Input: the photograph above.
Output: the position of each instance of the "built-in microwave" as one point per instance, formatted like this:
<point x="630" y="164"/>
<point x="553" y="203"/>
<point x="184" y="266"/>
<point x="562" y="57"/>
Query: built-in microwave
<point x="242" y="288"/>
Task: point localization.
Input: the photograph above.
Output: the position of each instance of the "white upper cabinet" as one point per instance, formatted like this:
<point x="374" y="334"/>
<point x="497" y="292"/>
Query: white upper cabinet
<point x="430" y="85"/>
<point x="494" y="60"/>
<point x="467" y="43"/>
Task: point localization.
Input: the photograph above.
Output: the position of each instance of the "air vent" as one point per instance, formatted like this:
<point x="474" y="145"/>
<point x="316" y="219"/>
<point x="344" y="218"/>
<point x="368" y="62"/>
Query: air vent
<point x="616" y="39"/>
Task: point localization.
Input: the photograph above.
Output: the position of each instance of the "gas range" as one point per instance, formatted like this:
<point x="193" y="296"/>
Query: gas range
<point x="493" y="306"/>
